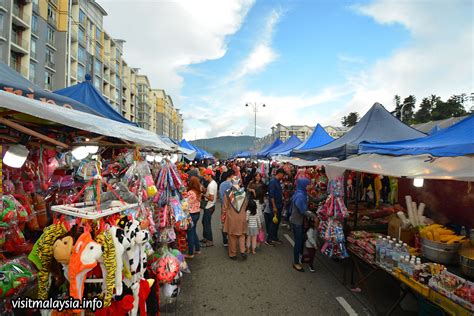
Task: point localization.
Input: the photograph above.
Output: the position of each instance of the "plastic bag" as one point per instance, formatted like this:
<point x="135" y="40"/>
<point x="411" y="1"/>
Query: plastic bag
<point x="261" y="236"/>
<point x="15" y="276"/>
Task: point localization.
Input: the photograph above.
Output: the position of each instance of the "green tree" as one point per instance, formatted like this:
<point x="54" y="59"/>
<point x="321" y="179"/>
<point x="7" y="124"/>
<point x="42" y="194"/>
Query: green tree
<point x="408" y="107"/>
<point x="350" y="120"/>
<point x="218" y="155"/>
<point x="423" y="114"/>
<point x="451" y="108"/>
<point x="398" y="106"/>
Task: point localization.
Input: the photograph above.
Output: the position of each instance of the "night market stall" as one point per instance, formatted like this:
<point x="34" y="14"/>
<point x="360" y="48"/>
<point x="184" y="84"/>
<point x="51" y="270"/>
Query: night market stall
<point x="92" y="210"/>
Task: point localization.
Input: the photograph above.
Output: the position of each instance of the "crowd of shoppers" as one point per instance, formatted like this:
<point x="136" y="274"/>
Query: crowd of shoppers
<point x="253" y="206"/>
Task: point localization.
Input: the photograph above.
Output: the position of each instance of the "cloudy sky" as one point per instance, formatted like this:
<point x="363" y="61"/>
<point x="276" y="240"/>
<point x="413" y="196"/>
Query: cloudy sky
<point x="309" y="61"/>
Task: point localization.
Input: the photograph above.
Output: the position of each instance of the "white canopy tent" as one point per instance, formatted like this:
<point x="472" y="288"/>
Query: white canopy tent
<point x="305" y="163"/>
<point x="81" y="120"/>
<point x="418" y="166"/>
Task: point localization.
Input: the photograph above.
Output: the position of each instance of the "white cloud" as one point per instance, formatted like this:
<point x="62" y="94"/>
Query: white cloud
<point x="164" y="37"/>
<point x="262" y="54"/>
<point x="437" y="60"/>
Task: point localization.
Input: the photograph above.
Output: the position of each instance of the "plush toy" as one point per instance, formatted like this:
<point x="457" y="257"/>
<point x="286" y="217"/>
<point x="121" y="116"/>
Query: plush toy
<point x="136" y="255"/>
<point x="122" y="191"/>
<point x="62" y="249"/>
<point x="42" y="254"/>
<point x="145" y="289"/>
<point x="121" y="243"/>
<point x="85" y="255"/>
<point x="108" y="265"/>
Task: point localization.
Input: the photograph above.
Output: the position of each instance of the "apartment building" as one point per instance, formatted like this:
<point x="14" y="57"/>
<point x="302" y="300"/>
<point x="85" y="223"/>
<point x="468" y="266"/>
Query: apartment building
<point x="33" y="38"/>
<point x="55" y="46"/>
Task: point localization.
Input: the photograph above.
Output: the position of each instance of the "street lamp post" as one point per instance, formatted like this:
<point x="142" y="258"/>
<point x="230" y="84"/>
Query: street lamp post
<point x="255" y="106"/>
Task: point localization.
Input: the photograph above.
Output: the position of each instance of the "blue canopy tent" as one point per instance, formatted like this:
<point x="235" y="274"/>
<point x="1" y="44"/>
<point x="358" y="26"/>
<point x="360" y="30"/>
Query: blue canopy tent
<point x="456" y="140"/>
<point x="287" y="146"/>
<point x="263" y="153"/>
<point x="377" y="125"/>
<point x="318" y="138"/>
<point x="200" y="153"/>
<point x="86" y="93"/>
<point x="243" y="154"/>
<point x="435" y="129"/>
<point x="10" y="80"/>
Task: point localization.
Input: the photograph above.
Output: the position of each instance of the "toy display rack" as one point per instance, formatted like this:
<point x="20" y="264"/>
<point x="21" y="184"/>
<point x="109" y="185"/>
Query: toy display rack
<point x="89" y="210"/>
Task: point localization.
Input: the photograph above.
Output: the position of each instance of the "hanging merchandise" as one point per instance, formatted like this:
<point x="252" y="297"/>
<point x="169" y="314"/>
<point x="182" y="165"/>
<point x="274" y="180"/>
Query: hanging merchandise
<point x="332" y="214"/>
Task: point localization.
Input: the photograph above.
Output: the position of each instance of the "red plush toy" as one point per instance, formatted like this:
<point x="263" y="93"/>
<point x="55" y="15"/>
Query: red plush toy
<point x="118" y="308"/>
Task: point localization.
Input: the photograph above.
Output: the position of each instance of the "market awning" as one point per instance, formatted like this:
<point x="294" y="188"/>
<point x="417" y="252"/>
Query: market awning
<point x="12" y="81"/>
<point x="87" y="94"/>
<point x="287" y="146"/>
<point x="456" y="140"/>
<point x="304" y="163"/>
<point x="81" y="120"/>
<point x="418" y="166"/>
<point x="377" y="125"/>
<point x="263" y="153"/>
<point x="318" y="138"/>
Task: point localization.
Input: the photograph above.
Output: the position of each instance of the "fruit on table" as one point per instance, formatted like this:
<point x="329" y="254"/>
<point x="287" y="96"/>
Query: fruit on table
<point x="438" y="233"/>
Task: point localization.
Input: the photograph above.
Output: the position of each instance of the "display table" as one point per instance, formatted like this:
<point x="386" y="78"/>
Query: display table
<point x="407" y="285"/>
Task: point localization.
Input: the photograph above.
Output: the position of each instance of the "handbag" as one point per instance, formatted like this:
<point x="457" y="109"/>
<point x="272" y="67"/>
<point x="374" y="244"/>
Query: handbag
<point x="260" y="236"/>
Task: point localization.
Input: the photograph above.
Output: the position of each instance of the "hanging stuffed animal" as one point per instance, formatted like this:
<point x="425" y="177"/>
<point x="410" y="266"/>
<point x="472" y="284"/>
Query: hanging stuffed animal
<point x="108" y="265"/>
<point x="62" y="250"/>
<point x="42" y="254"/>
<point x="84" y="258"/>
<point x="136" y="255"/>
<point x="121" y="243"/>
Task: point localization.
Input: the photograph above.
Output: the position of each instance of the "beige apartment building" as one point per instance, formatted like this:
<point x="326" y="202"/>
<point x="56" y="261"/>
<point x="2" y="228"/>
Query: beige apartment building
<point x="41" y="42"/>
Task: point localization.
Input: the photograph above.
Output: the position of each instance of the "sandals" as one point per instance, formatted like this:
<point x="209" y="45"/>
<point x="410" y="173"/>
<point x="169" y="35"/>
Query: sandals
<point x="298" y="268"/>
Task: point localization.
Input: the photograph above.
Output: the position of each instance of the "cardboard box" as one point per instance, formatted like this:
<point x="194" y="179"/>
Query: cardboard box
<point x="395" y="230"/>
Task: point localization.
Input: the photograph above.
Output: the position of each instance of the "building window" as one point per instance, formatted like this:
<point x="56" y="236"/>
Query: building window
<point x="97" y="67"/>
<point x="97" y="34"/>
<point x="117" y="95"/>
<point x="34" y="24"/>
<point x="117" y="67"/>
<point x="98" y="83"/>
<point x="33" y="49"/>
<point x="49" y="58"/>
<point x="48" y="80"/>
<point x="82" y="17"/>
<point x="50" y="35"/>
<point x="81" y="72"/>
<point x="97" y="50"/>
<point x="82" y="55"/>
<point x="1" y="24"/>
<point x="81" y="36"/>
<point x="32" y="72"/>
<point x="51" y="15"/>
<point x="36" y="5"/>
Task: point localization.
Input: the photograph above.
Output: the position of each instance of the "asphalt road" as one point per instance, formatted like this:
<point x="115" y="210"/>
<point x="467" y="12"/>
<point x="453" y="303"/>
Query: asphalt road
<point x="264" y="284"/>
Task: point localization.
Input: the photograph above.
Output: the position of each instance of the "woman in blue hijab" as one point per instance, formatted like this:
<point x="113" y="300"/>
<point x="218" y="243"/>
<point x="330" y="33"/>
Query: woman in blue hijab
<point x="299" y="208"/>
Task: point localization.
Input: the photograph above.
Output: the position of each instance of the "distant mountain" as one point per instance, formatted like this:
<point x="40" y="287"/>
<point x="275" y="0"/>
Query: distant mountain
<point x="226" y="145"/>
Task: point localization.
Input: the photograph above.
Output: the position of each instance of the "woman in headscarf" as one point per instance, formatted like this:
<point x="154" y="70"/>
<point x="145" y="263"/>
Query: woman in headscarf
<point x="299" y="209"/>
<point x="194" y="194"/>
<point x="234" y="215"/>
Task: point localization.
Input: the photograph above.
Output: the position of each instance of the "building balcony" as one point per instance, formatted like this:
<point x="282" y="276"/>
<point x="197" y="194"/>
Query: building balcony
<point x="20" y="18"/>
<point x="19" y="68"/>
<point x="36" y="7"/>
<point x="50" y="64"/>
<point x="3" y="5"/>
<point x="74" y="31"/>
<point x="19" y="44"/>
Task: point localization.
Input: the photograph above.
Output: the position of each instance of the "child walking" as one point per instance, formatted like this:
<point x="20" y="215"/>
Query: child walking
<point x="311" y="244"/>
<point x="254" y="224"/>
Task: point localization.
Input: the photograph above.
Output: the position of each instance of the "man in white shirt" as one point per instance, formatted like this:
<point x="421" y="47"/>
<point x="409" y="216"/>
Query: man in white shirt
<point x="211" y="197"/>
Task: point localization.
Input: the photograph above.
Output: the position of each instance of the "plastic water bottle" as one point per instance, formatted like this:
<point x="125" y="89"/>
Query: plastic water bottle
<point x="396" y="254"/>
<point x="405" y="249"/>
<point x="378" y="245"/>
<point x="383" y="252"/>
<point x="389" y="256"/>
